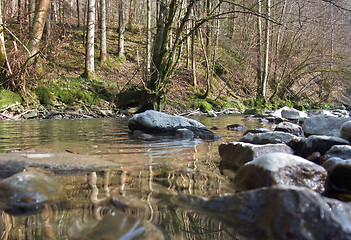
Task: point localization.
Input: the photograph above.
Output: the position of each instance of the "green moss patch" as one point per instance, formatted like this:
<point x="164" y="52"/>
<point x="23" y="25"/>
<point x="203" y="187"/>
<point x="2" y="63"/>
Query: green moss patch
<point x="8" y="98"/>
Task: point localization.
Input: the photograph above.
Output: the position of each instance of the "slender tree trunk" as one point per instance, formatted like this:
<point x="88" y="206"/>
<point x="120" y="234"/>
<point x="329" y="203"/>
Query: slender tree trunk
<point x="259" y="52"/>
<point x="149" y="41"/>
<point x="31" y="10"/>
<point x="78" y="14"/>
<point x="38" y="26"/>
<point x="131" y="15"/>
<point x="193" y="58"/>
<point x="103" y="30"/>
<point x="2" y="45"/>
<point x="19" y="11"/>
<point x="121" y="30"/>
<point x="89" y="54"/>
<point x="267" y="48"/>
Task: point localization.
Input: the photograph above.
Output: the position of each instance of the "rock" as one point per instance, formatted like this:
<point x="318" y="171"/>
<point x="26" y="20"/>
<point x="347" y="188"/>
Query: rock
<point x="272" y="137"/>
<point x="236" y="127"/>
<point x="345" y="131"/>
<point x="160" y="123"/>
<point x="289" y="113"/>
<point x="31" y="114"/>
<point x="339" y="178"/>
<point x="339" y="151"/>
<point x="184" y="133"/>
<point x="321" y="144"/>
<point x="115" y="226"/>
<point x="257" y="130"/>
<point x="26" y="192"/>
<point x="280" y="168"/>
<point x="323" y="125"/>
<point x="236" y="154"/>
<point x="290" y="128"/>
<point x="280" y="212"/>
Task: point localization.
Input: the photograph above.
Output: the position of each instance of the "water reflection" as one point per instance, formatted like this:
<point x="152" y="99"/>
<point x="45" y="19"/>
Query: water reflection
<point x="144" y="190"/>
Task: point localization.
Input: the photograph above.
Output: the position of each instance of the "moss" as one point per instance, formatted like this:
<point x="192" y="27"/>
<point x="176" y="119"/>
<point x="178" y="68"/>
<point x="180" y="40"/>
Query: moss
<point x="8" y="97"/>
<point x="66" y="97"/>
<point x="203" y="105"/>
<point x="130" y="97"/>
<point x="44" y="95"/>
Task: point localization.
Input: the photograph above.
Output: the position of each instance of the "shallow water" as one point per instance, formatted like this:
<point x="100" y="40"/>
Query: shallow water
<point x="151" y="176"/>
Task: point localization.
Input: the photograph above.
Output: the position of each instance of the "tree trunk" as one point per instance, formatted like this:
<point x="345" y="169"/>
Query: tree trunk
<point x="148" y="42"/>
<point x="3" y="57"/>
<point x="31" y="10"/>
<point x="103" y="30"/>
<point x="121" y="30"/>
<point x="38" y="26"/>
<point x="131" y="15"/>
<point x="89" y="53"/>
<point x="78" y="14"/>
<point x="259" y="52"/>
<point x="193" y="58"/>
<point x="267" y="45"/>
<point x="19" y="11"/>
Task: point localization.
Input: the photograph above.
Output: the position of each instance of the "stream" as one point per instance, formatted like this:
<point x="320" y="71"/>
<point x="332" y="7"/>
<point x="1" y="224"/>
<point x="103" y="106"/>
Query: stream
<point x="146" y="186"/>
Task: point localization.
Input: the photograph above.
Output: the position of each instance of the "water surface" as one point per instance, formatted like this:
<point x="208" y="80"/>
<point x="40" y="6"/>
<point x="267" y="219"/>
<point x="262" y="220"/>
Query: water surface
<point x="151" y="176"/>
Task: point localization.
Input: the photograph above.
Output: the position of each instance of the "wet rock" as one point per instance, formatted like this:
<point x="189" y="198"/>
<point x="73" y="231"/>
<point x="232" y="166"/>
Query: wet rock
<point x="160" y="123"/>
<point x="323" y="125"/>
<point x="184" y="133"/>
<point x="236" y="154"/>
<point x="290" y="128"/>
<point x="339" y="151"/>
<point x="115" y="226"/>
<point x="280" y="168"/>
<point x="289" y="113"/>
<point x="257" y="130"/>
<point x="321" y="144"/>
<point x="280" y="212"/>
<point x="272" y="137"/>
<point x="345" y="131"/>
<point x="26" y="192"/>
<point x="235" y="127"/>
<point x="339" y="179"/>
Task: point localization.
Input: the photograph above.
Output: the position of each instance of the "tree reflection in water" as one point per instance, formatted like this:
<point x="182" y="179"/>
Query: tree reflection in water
<point x="148" y="195"/>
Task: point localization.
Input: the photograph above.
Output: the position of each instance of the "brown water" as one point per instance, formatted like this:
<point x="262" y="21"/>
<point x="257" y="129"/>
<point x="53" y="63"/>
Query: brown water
<point x="151" y="176"/>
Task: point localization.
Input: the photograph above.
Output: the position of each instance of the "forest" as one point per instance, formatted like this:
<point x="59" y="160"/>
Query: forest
<point x="175" y="55"/>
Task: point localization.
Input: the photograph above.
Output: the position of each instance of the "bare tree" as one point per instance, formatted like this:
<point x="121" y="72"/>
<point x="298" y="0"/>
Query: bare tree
<point x="103" y="30"/>
<point x="148" y="40"/>
<point x="89" y="53"/>
<point x="37" y="28"/>
<point x="121" y="30"/>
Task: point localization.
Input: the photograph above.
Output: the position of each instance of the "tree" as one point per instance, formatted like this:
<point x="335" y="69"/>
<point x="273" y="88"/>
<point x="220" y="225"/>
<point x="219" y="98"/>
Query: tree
<point x="121" y="28"/>
<point x="89" y="53"/>
<point x="131" y="15"/>
<point x="148" y="40"/>
<point x="36" y="33"/>
<point x="103" y="30"/>
<point x="164" y="60"/>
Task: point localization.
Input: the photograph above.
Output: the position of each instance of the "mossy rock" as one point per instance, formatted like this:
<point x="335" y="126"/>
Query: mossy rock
<point x="204" y="106"/>
<point x="129" y="98"/>
<point x="44" y="95"/>
<point x="8" y="98"/>
<point x="66" y="97"/>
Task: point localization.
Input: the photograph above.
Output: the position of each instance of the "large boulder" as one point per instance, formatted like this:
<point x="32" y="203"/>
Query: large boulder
<point x="339" y="151"/>
<point x="323" y="125"/>
<point x="320" y="143"/>
<point x="160" y="123"/>
<point x="236" y="154"/>
<point x="345" y="131"/>
<point x="27" y="192"/>
<point x="290" y="128"/>
<point x="270" y="137"/>
<point x="280" y="212"/>
<point x="289" y="113"/>
<point x="339" y="175"/>
<point x="280" y="168"/>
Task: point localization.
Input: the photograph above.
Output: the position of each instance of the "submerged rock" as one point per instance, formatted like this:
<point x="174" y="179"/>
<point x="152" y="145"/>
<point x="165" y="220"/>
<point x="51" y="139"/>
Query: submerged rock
<point x="323" y="125"/>
<point x="280" y="168"/>
<point x="280" y="212"/>
<point x="160" y="123"/>
<point x="236" y="154"/>
<point x="115" y="226"/>
<point x="26" y="192"/>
